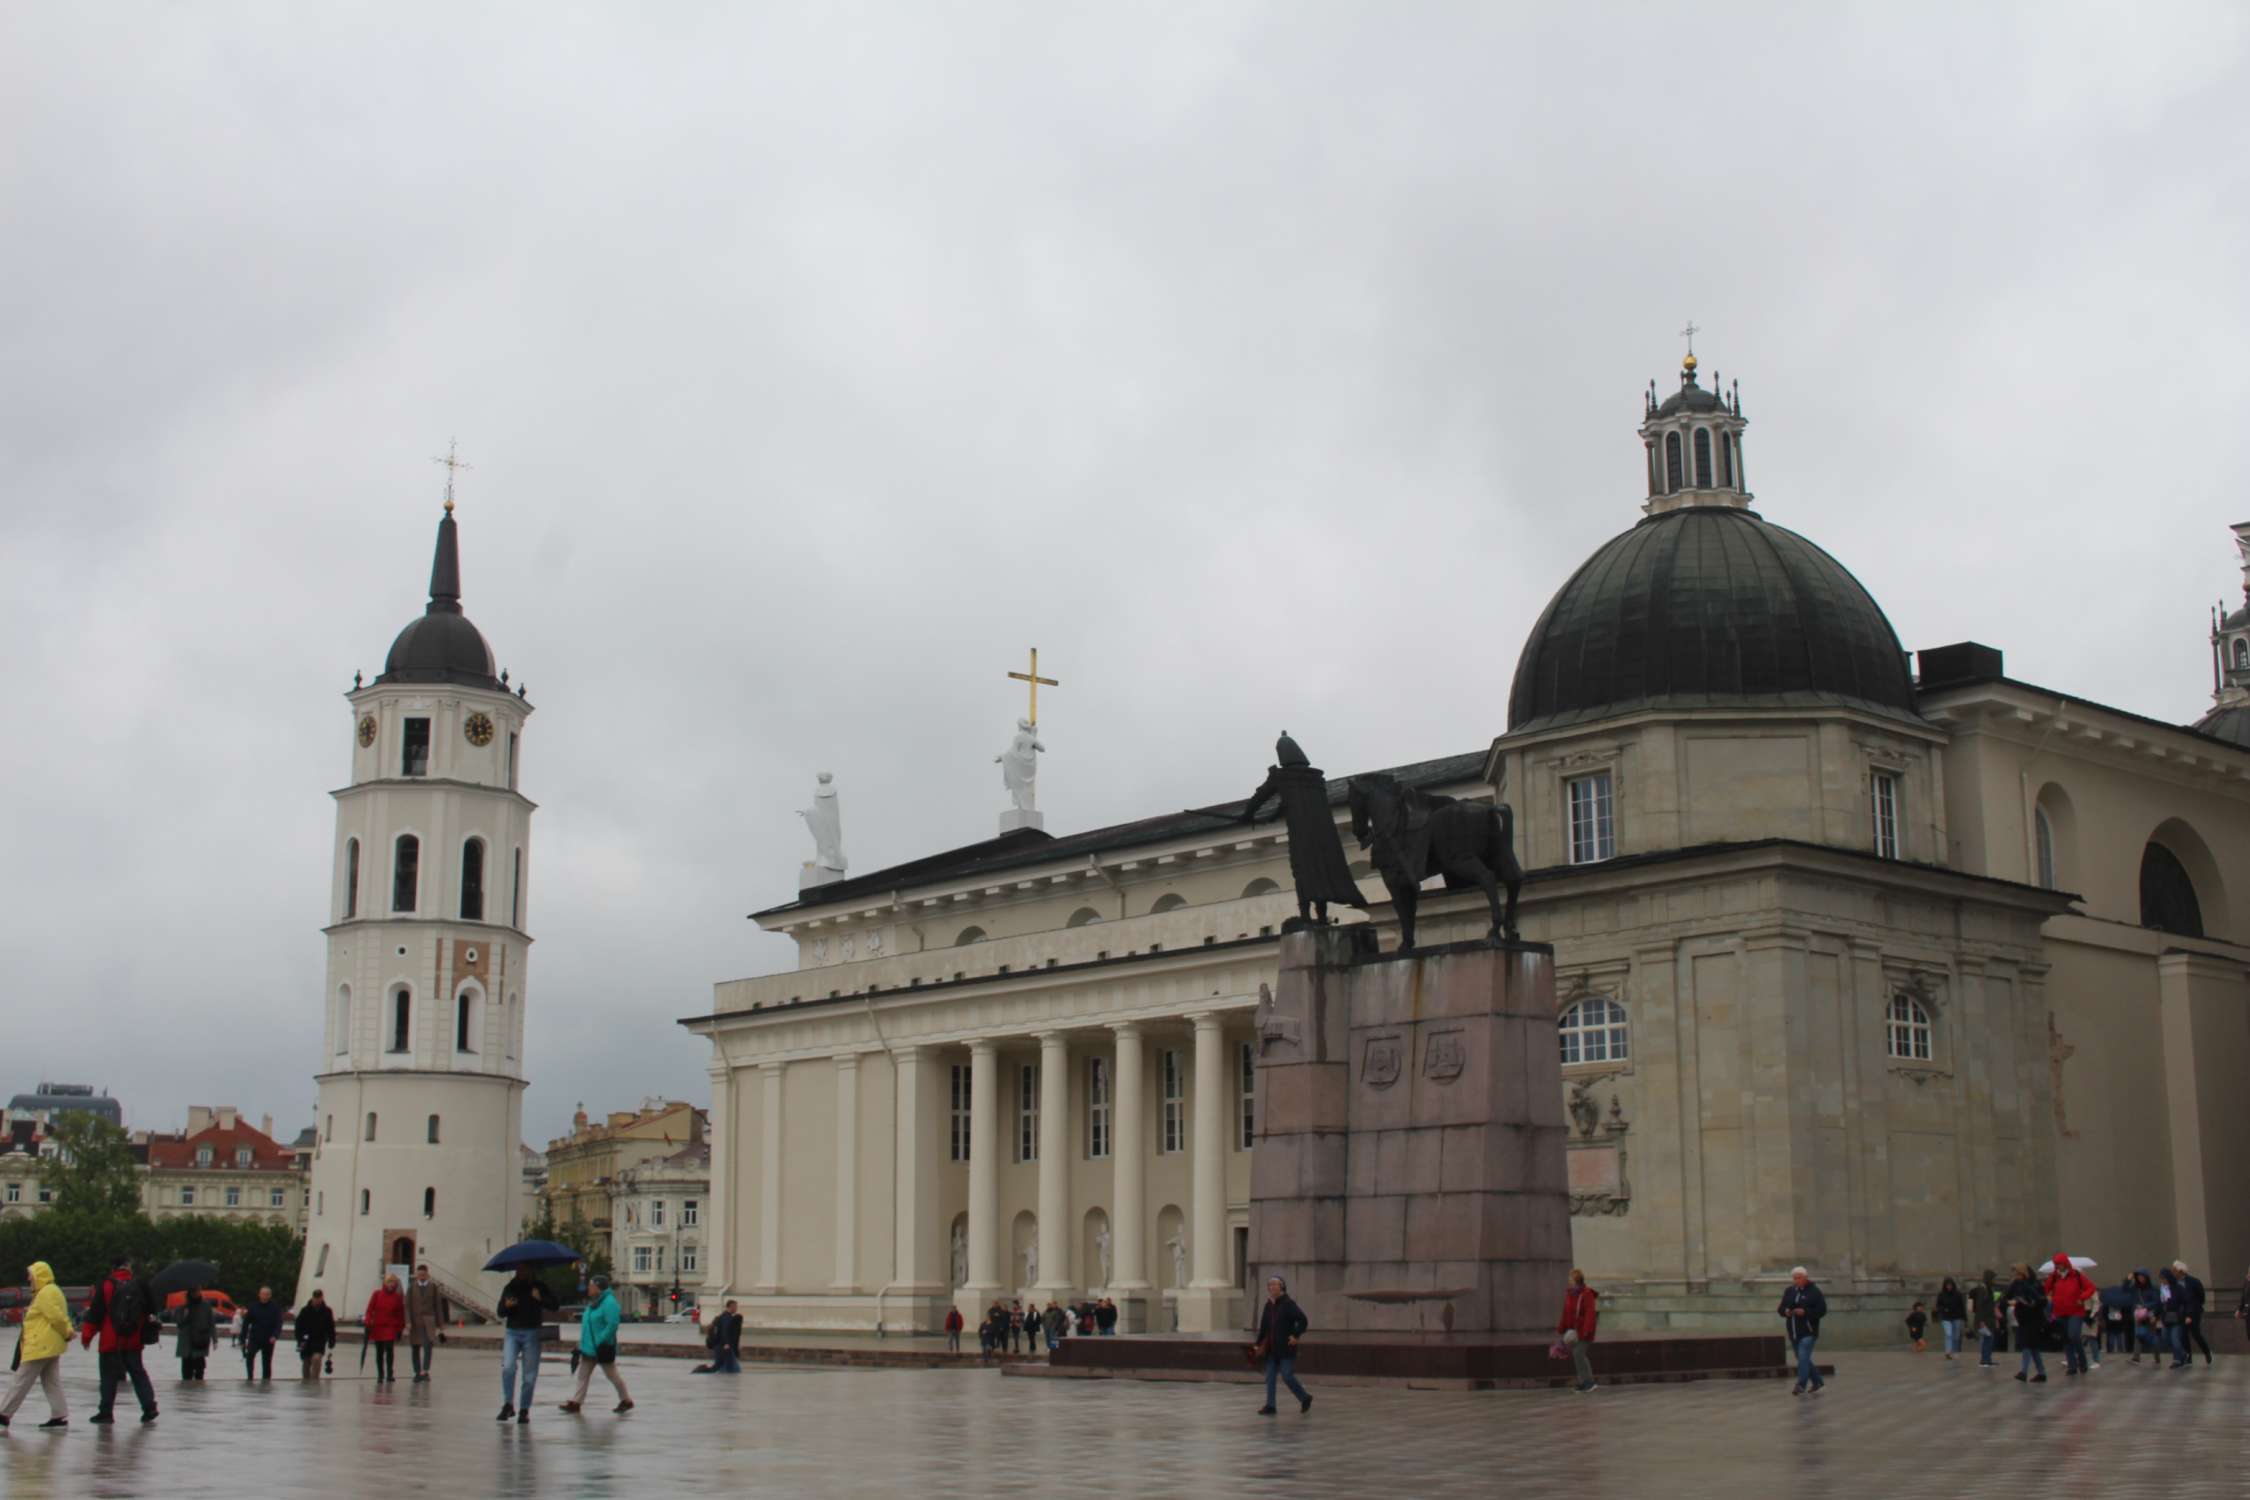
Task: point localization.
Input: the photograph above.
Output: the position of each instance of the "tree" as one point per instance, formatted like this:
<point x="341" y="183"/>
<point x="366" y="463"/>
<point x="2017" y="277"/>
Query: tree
<point x="92" y="1170"/>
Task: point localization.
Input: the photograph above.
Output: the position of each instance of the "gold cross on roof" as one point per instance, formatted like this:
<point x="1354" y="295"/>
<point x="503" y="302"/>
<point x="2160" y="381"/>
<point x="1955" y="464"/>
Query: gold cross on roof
<point x="451" y="462"/>
<point x="1036" y="681"/>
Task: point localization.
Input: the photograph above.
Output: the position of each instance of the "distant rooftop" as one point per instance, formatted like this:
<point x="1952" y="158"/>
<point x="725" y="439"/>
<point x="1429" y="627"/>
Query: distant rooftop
<point x="51" y="1097"/>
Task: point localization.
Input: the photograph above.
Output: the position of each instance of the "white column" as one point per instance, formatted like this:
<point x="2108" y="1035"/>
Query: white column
<point x="1128" y="1147"/>
<point x="769" y="1180"/>
<point x="984" y="1179"/>
<point x="915" y="1204"/>
<point x="718" y="1241"/>
<point x="1054" y="1163"/>
<point x="1204" y="1303"/>
<point x="847" y="1174"/>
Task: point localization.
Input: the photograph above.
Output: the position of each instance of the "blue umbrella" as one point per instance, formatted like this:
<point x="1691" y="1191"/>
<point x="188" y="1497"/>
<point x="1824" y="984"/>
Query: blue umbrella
<point x="533" y="1253"/>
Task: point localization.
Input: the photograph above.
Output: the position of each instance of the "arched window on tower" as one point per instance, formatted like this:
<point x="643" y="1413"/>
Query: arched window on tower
<point x="2044" y="829"/>
<point x="406" y="872"/>
<point x="465" y="1021"/>
<point x="351" y="879"/>
<point x="2241" y="653"/>
<point x="2168" y="899"/>
<point x="433" y="1130"/>
<point x="472" y="881"/>
<point x="429" y="1203"/>
<point x="1726" y="461"/>
<point x="515" y="893"/>
<point x="371" y="1125"/>
<point x="1703" y="458"/>
<point x="402" y="1018"/>
<point x="1672" y="477"/>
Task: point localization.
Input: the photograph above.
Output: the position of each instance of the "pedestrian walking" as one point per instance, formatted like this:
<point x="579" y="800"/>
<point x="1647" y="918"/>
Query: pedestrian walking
<point x="1017" y="1333"/>
<point x="2117" y="1318"/>
<point x="2069" y="1294"/>
<point x="1580" y="1313"/>
<point x="46" y="1333"/>
<point x="1802" y="1308"/>
<point x="1917" y="1324"/>
<point x="724" y="1340"/>
<point x="2148" y="1320"/>
<point x="261" y="1330"/>
<point x="597" y="1347"/>
<point x="2171" y="1302"/>
<point x="2191" y="1322"/>
<point x="382" y="1323"/>
<point x="2027" y="1305"/>
<point x="316" y="1335"/>
<point x="198" y="1327"/>
<point x="953" y="1330"/>
<point x="1952" y="1311"/>
<point x="1054" y="1320"/>
<point x="427" y="1313"/>
<point x="524" y="1305"/>
<point x="121" y="1314"/>
<point x="1280" y="1325"/>
<point x="1983" y="1308"/>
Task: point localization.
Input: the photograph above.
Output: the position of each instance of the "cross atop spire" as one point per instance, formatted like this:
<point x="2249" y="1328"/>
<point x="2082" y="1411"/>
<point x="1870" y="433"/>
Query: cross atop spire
<point x="1689" y="334"/>
<point x="452" y="462"/>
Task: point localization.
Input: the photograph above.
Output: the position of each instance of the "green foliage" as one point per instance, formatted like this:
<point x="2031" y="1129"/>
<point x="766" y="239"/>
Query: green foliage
<point x="81" y="1247"/>
<point x="92" y="1172"/>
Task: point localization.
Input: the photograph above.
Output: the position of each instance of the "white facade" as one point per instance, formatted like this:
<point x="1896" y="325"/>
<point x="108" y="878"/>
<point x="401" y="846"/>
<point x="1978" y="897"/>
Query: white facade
<point x="421" y="1084"/>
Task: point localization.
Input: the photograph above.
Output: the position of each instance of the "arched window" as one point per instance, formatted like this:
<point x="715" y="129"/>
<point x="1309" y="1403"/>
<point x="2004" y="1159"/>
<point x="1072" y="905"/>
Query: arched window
<point x="371" y="1125"/>
<point x="406" y="872"/>
<point x="969" y="935"/>
<point x="1726" y="460"/>
<point x="1085" y="916"/>
<point x="402" y="1018"/>
<point x="1703" y="458"/>
<point x="465" y="1021"/>
<point x="1169" y="901"/>
<point x="1909" y="1029"/>
<point x="472" y="881"/>
<point x="351" y="879"/>
<point x="343" y="1019"/>
<point x="1593" y="1030"/>
<point x="1672" y="478"/>
<point x="433" y="1130"/>
<point x="2241" y="652"/>
<point x="1260" y="887"/>
<point x="2043" y="830"/>
<point x="366" y="1200"/>
<point x="429" y="1203"/>
<point x="515" y="893"/>
<point x="2168" y="899"/>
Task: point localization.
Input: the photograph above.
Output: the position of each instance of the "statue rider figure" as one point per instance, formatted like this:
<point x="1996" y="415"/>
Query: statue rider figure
<point x="1316" y="848"/>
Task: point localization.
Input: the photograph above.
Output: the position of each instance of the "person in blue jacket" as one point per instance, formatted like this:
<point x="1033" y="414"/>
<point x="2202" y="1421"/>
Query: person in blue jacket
<point x="597" y="1347"/>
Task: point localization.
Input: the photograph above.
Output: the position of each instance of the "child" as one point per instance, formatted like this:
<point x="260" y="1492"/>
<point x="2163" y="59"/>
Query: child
<point x="1917" y="1321"/>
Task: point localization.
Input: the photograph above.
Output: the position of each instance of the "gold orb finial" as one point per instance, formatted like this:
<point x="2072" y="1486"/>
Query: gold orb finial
<point x="1688" y="363"/>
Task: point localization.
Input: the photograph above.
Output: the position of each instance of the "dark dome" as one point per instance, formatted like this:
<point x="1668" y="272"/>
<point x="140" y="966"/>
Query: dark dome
<point x="1691" y="397"/>
<point x="2231" y="723"/>
<point x="442" y="646"/>
<point x="1707" y="607"/>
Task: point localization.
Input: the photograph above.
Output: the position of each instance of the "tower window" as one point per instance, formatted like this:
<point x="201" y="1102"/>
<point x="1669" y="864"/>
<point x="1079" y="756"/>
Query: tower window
<point x="2046" y="839"/>
<point x="351" y="879"/>
<point x="406" y="872"/>
<point x="511" y="760"/>
<point x="1703" y="458"/>
<point x="464" y="1021"/>
<point x="429" y="1203"/>
<point x="515" y="893"/>
<point x="371" y="1125"/>
<point x="1886" y="814"/>
<point x="2241" y="653"/>
<point x="433" y="1130"/>
<point x="402" y="1016"/>
<point x="1672" y="478"/>
<point x="472" y="881"/>
<point x="366" y="1201"/>
<point x="414" y="750"/>
<point x="1726" y="460"/>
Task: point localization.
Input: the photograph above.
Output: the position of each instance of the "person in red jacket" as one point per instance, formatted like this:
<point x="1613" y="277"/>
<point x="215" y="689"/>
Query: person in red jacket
<point x="2069" y="1294"/>
<point x="1580" y="1312"/>
<point x="119" y="1313"/>
<point x="953" y="1330"/>
<point x="384" y="1321"/>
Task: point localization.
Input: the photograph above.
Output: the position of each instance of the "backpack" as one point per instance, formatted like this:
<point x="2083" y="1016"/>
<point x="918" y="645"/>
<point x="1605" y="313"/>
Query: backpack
<point x="127" y="1309"/>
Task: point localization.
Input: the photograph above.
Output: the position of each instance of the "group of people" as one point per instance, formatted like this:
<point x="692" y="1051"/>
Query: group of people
<point x="2159" y="1317"/>
<point x="1021" y="1326"/>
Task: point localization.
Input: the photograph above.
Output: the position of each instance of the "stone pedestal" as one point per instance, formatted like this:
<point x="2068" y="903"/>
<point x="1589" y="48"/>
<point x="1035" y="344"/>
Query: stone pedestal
<point x="1410" y="1166"/>
<point x="1019" y="817"/>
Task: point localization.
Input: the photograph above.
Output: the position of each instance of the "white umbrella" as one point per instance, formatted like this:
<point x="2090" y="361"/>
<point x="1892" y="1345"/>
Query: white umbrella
<point x="2078" y="1262"/>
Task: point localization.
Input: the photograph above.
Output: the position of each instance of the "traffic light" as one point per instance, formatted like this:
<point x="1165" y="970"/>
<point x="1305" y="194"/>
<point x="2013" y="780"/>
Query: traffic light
<point x="675" y="1296"/>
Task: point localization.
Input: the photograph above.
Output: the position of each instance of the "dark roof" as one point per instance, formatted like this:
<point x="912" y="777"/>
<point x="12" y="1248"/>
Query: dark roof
<point x="1690" y="397"/>
<point x="1030" y="846"/>
<point x="71" y="1096"/>
<point x="1707" y="607"/>
<point x="442" y="646"/>
<point x="2231" y="724"/>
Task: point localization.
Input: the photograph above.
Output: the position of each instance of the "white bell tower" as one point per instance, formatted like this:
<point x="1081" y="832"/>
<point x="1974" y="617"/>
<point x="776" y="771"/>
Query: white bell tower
<point x="421" y="1078"/>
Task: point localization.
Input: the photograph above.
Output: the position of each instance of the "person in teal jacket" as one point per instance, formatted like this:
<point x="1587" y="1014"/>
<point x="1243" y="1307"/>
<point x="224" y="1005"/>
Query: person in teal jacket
<point x="597" y="1347"/>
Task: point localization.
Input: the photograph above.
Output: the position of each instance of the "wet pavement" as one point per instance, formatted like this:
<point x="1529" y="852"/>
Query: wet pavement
<point x="1888" y="1424"/>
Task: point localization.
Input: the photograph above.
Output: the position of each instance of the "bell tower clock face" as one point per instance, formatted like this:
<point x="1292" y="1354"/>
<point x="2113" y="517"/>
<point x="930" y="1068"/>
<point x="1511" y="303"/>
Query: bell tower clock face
<point x="478" y="728"/>
<point x="367" y="730"/>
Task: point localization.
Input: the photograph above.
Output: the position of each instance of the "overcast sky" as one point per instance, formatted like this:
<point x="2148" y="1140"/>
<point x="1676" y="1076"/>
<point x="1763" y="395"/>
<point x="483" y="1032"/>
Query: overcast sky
<point x="1264" y="365"/>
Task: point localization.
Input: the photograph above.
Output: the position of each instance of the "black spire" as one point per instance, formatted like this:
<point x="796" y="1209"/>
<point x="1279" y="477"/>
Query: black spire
<point x="445" y="568"/>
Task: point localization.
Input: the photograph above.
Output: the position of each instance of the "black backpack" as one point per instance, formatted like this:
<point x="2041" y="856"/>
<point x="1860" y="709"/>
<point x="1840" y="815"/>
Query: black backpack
<point x="128" y="1308"/>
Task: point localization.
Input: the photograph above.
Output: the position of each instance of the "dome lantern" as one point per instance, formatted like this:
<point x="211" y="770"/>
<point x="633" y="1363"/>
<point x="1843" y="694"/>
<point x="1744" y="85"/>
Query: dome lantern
<point x="1693" y="444"/>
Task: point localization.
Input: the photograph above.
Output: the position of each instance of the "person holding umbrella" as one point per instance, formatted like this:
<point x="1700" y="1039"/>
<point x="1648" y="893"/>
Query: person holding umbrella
<point x="316" y="1334"/>
<point x="524" y="1304"/>
<point x="261" y="1330"/>
<point x="198" y="1327"/>
<point x="385" y="1320"/>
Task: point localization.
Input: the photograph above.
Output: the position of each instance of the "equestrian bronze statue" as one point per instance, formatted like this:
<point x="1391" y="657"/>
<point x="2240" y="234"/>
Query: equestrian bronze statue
<point x="1316" y="850"/>
<point x="1413" y="834"/>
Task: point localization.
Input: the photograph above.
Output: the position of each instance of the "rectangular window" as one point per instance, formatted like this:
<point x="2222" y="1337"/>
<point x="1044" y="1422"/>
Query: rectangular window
<point x="15" y="1192"/>
<point x="1027" y="1114"/>
<point x="1249" y="1072"/>
<point x="688" y="1259"/>
<point x="46" y="1193"/>
<point x="641" y="1260"/>
<point x="351" y="879"/>
<point x="960" y="1133"/>
<point x="187" y="1197"/>
<point x="414" y="752"/>
<point x="1174" y="1117"/>
<point x="234" y="1197"/>
<point x="242" y="1156"/>
<point x="656" y="1213"/>
<point x="515" y="893"/>
<point x="1886" y="814"/>
<point x="1593" y="832"/>
<point x="511" y="760"/>
<point x="321" y="1268"/>
<point x="278" y="1198"/>
<point x="1097" y="1107"/>
<point x="690" y="1215"/>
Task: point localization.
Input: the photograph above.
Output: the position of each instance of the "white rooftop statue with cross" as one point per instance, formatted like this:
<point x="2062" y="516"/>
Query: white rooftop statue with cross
<point x="1036" y="682"/>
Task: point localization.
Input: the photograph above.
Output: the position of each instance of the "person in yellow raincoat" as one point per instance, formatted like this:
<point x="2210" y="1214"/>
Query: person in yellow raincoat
<point x="46" y="1333"/>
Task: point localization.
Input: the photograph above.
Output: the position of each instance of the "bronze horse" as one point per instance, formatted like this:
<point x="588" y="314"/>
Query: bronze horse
<point x="1415" y="834"/>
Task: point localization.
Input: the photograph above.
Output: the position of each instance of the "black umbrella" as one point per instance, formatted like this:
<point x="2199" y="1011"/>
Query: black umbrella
<point x="533" y="1253"/>
<point x="183" y="1276"/>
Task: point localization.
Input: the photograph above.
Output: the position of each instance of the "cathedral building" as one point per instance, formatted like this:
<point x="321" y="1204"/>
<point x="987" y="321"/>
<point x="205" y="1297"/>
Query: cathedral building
<point x="421" y="1082"/>
<point x="1893" y="966"/>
